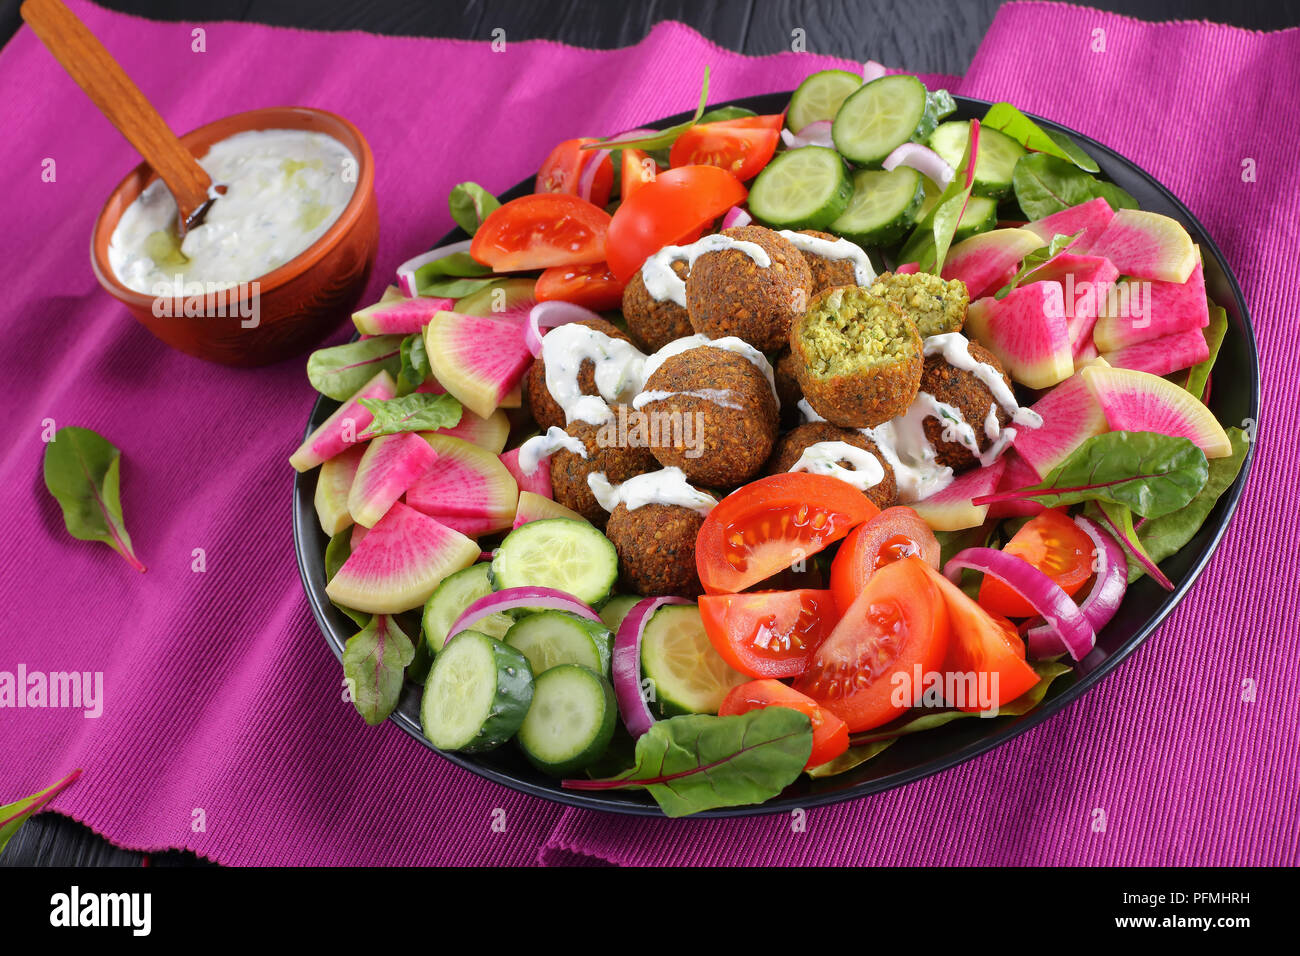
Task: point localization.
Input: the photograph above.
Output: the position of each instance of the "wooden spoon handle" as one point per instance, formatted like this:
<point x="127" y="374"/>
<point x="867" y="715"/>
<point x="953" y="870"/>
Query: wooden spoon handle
<point x="118" y="98"/>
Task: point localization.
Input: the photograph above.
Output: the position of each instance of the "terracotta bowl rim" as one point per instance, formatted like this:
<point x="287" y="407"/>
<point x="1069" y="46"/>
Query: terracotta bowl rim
<point x="245" y="121"/>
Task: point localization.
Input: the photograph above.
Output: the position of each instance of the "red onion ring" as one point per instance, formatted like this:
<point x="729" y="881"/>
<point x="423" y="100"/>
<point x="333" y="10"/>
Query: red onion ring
<point x="924" y="160"/>
<point x="626" y="664"/>
<point x="547" y="315"/>
<point x="816" y="133"/>
<point x="871" y="70"/>
<point x="406" y="271"/>
<point x="508" y="599"/>
<point x="736" y="217"/>
<point x="1104" y="598"/>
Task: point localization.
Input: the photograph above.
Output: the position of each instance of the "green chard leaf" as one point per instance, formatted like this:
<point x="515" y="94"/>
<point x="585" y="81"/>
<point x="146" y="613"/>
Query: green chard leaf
<point x="470" y="204"/>
<point x="451" y="287"/>
<point x="1215" y="332"/>
<point x="14" y="815"/>
<point x="420" y="412"/>
<point x="1044" y="184"/>
<point x="1034" y="260"/>
<point x="339" y="372"/>
<point x="414" y="364"/>
<point x="1120" y="521"/>
<point x="929" y="242"/>
<point x="1170" y="533"/>
<point x="1150" y="474"/>
<point x="336" y="553"/>
<point x="700" y="762"/>
<point x="723" y="113"/>
<point x="83" y="473"/>
<point x="374" y="662"/>
<point x="664" y="138"/>
<point x="1007" y="119"/>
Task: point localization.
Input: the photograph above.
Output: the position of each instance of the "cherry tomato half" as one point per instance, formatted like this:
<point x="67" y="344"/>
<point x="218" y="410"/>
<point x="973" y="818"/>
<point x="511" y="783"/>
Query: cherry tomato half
<point x="540" y="231"/>
<point x="1056" y="546"/>
<point x="830" y="734"/>
<point x="562" y="171"/>
<point x="593" y="287"/>
<point x="892" y="534"/>
<point x="636" y="170"/>
<point x="768" y="633"/>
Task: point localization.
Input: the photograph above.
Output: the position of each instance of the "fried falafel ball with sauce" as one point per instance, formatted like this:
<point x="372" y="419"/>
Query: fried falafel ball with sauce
<point x="546" y="411"/>
<point x="654" y="323"/>
<point x="935" y="305"/>
<point x="656" y="548"/>
<point x="791" y="446"/>
<point x="971" y="397"/>
<point x="788" y="392"/>
<point x="827" y="273"/>
<point x="729" y="293"/>
<point x="613" y="451"/>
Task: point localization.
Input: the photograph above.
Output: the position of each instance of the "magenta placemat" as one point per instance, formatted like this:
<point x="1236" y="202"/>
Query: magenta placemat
<point x="223" y="726"/>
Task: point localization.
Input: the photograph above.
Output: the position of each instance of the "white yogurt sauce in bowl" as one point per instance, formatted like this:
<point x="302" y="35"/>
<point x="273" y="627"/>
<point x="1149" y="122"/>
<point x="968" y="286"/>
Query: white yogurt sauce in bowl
<point x="284" y="189"/>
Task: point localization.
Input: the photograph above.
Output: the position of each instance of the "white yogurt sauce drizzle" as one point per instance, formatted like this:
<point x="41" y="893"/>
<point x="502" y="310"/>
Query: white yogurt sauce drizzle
<point x="824" y="457"/>
<point x="538" y="447"/>
<point x="618" y="371"/>
<point x="729" y="343"/>
<point x="834" y="250"/>
<point x="665" y="487"/>
<point x="665" y="285"/>
<point x="723" y="397"/>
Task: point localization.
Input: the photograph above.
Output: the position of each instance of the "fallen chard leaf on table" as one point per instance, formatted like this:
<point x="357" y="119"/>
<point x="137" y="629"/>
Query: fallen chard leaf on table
<point x="374" y="662"/>
<point x="14" y="815"/>
<point x="421" y="412"/>
<point x="82" y="472"/>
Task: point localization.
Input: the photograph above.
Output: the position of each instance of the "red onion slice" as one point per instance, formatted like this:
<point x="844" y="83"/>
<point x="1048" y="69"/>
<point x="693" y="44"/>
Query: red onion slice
<point x="816" y="133"/>
<point x="508" y="599"/>
<point x="871" y="70"/>
<point x="626" y="664"/>
<point x="547" y="315"/>
<point x="907" y="268"/>
<point x="406" y="271"/>
<point x="736" y="217"/>
<point x="1058" y="609"/>
<point x="1104" y="598"/>
<point x="924" y="160"/>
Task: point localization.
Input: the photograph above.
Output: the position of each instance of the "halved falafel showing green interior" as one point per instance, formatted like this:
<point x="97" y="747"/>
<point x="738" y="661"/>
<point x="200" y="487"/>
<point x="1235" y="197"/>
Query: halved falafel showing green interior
<point x="934" y="304"/>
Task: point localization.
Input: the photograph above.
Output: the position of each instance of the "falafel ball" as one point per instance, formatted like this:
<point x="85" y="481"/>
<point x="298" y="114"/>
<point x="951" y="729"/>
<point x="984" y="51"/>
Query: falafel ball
<point x="615" y="452"/>
<point x="717" y="419"/>
<point x="656" y="548"/>
<point x="728" y="293"/>
<point x="858" y="358"/>
<point x="935" y="305"/>
<point x="788" y="391"/>
<point x="546" y="411"/>
<point x="790" y="448"/>
<point x="653" y="324"/>
<point x="827" y="273"/>
<point x="966" y="393"/>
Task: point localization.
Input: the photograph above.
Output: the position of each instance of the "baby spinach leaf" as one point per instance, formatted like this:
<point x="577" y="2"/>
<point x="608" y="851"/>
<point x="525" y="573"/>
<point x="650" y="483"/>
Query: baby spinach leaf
<point x="853" y="757"/>
<point x="338" y="372"/>
<point x="374" y="661"/>
<point x="452" y="287"/>
<point x="415" y="363"/>
<point x="452" y="276"/>
<point x="336" y="552"/>
<point x="723" y="113"/>
<point x="420" y="412"/>
<point x="1044" y="184"/>
<point x="14" y="815"/>
<point x="664" y="138"/>
<point x="1151" y="474"/>
<point x="1215" y="332"/>
<point x="470" y="204"/>
<point x="1120" y="521"/>
<point x="1005" y="118"/>
<point x="1034" y="260"/>
<point x="1170" y="533"/>
<point x="700" y="762"/>
<point x="82" y="472"/>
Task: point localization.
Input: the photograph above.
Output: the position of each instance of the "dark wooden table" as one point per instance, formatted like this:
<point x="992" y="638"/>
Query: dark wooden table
<point x="929" y="36"/>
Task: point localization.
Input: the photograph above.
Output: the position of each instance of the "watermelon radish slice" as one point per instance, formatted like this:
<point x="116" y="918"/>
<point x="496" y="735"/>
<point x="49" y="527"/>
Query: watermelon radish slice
<point x="489" y="433"/>
<point x="539" y="482"/>
<point x="1028" y="333"/>
<point x="1085" y="282"/>
<point x="1146" y="245"/>
<point x="1071" y="415"/>
<point x="1017" y="474"/>
<point x="1141" y="402"/>
<point x="359" y="531"/>
<point x="340" y="430"/>
<point x="397" y="565"/>
<point x="533" y="507"/>
<point x="391" y="464"/>
<point x="399" y="316"/>
<point x="1130" y="316"/>
<point x="1086" y="354"/>
<point x="479" y="360"/>
<point x="466" y="481"/>
<point x="1169" y="353"/>
<point x="951" y="510"/>
<point x="983" y="261"/>
<point x="513" y="399"/>
<point x="508" y="299"/>
<point x="332" y="486"/>
<point x="472" y="527"/>
<point x="1090" y="218"/>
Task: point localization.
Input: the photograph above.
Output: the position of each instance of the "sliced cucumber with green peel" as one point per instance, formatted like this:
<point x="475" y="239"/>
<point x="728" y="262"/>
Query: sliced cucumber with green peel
<point x="615" y="609"/>
<point x="980" y="215"/>
<point x="477" y="694"/>
<point x="550" y="638"/>
<point x="806" y="188"/>
<point x="457" y="592"/>
<point x="880" y="117"/>
<point x="820" y="96"/>
<point x="998" y="155"/>
<point x="561" y="553"/>
<point x="688" y="676"/>
<point x="885" y="205"/>
<point x="571" y="720"/>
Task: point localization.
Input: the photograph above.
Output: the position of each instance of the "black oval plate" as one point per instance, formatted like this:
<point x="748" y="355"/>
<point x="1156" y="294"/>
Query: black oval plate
<point x="1233" y="399"/>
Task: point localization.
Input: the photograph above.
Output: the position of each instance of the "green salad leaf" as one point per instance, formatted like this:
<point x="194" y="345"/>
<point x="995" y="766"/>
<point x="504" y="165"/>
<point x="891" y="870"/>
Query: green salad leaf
<point x="338" y="372"/>
<point x="336" y="553"/>
<point x="1149" y="473"/>
<point x="929" y="242"/>
<point x="83" y="473"/>
<point x="1044" y="184"/>
<point x="1120" y="521"/>
<point x="1034" y="260"/>
<point x="1215" y="332"/>
<point x="420" y="412"/>
<point x="452" y="287"/>
<point x="699" y="762"/>
<point x="14" y="815"/>
<point x="414" y="363"/>
<point x="374" y="662"/>
<point x="723" y="113"/>
<point x="664" y="138"/>
<point x="1007" y="119"/>
<point x="470" y="204"/>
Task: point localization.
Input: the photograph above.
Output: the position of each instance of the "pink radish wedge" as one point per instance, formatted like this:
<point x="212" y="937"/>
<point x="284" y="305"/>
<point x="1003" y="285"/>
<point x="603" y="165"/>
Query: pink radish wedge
<point x="539" y="482"/>
<point x="1169" y="353"/>
<point x="1146" y="245"/>
<point x="489" y="433"/>
<point x="533" y="507"/>
<point x="1139" y="311"/>
<point x="1090" y="219"/>
<point x="466" y="482"/>
<point x="1027" y="331"/>
<point x="391" y="464"/>
<point x="985" y="261"/>
<point x="951" y="509"/>
<point x="332" y="486"/>
<point x="340" y="430"/>
<point x="479" y="360"/>
<point x="1071" y="415"/>
<point x="399" y="316"/>
<point x="1141" y="402"/>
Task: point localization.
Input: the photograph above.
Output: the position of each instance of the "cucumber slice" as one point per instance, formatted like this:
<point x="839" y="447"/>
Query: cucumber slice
<point x="980" y="215"/>
<point x="477" y="694"/>
<point x="820" y="96"/>
<point x="998" y="155"/>
<point x="457" y="592"/>
<point x="550" y="638"/>
<point x="688" y="676"/>
<point x="561" y="553"/>
<point x="879" y="117"/>
<point x="571" y="720"/>
<point x="885" y="205"/>
<point x="806" y="188"/>
<point x="616" y="608"/>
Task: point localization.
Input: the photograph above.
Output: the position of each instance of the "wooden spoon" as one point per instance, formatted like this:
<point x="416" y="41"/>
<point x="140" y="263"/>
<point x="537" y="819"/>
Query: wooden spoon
<point x="118" y="98"/>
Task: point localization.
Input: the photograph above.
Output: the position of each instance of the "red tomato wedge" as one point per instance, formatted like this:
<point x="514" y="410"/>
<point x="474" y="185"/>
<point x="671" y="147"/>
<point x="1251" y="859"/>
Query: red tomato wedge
<point x="540" y="231"/>
<point x="892" y="534"/>
<point x="899" y="622"/>
<point x="830" y="734"/>
<point x="768" y="633"/>
<point x="678" y="204"/>
<point x="980" y="643"/>
<point x="562" y="171"/>
<point x="637" y="170"/>
<point x="771" y="523"/>
<point x="1056" y="546"/>
<point x="591" y="286"/>
<point x="741" y="147"/>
